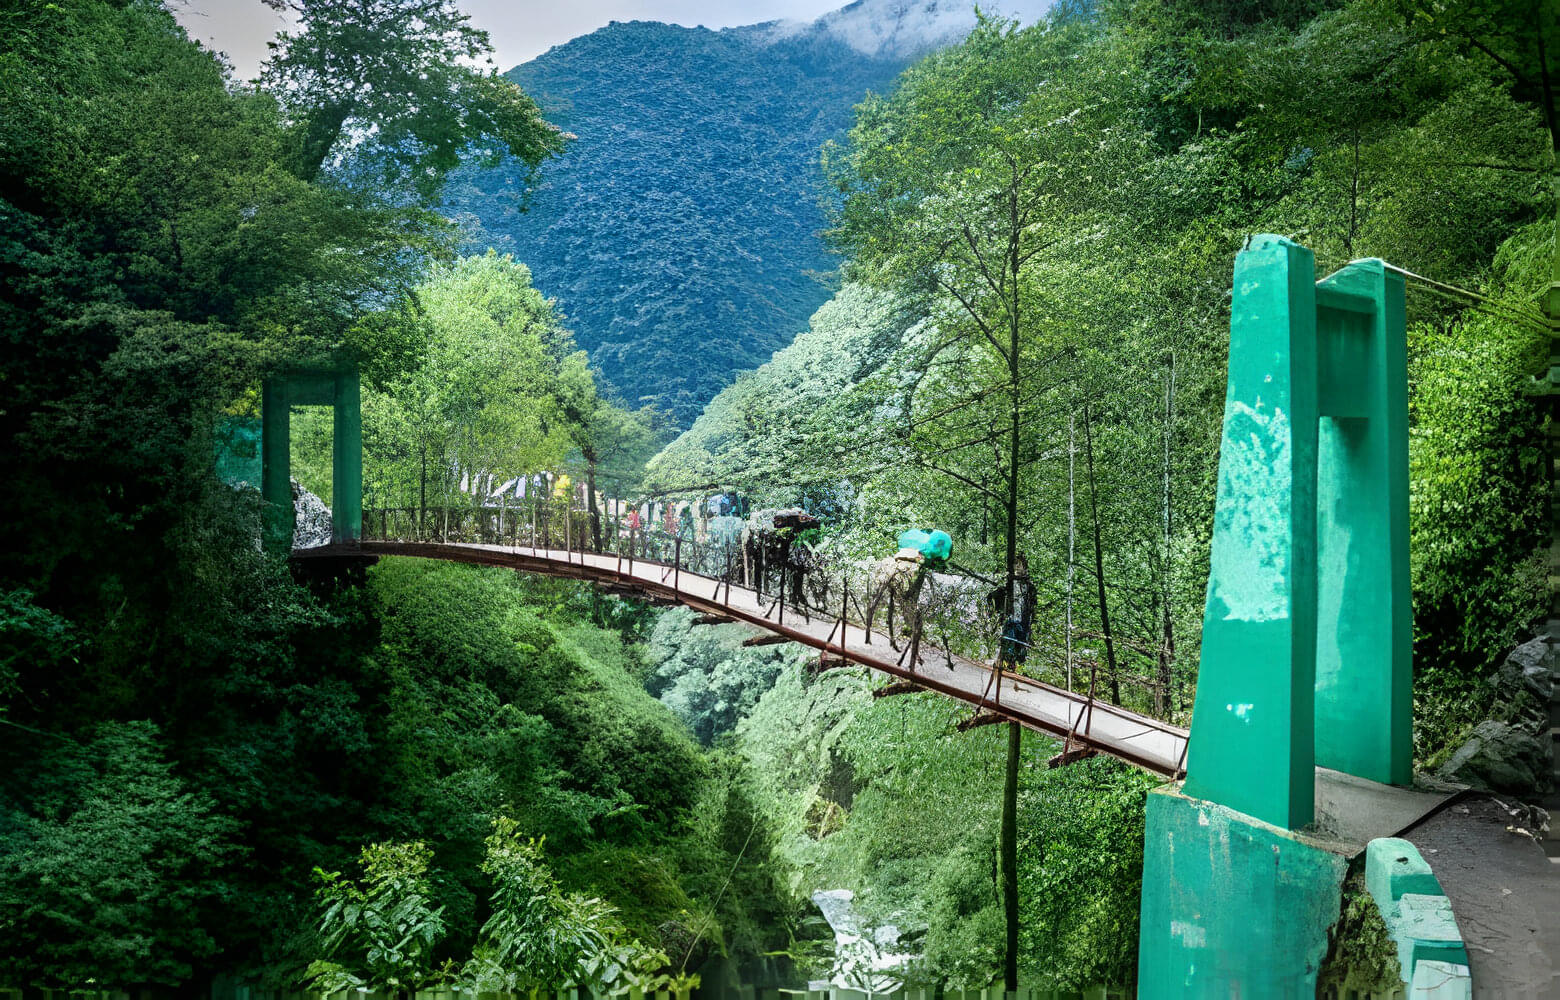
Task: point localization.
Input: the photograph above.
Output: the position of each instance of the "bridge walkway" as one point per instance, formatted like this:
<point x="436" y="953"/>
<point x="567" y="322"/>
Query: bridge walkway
<point x="1088" y="722"/>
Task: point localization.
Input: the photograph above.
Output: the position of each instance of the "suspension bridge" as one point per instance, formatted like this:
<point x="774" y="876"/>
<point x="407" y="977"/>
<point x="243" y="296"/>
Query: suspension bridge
<point x="1303" y="709"/>
<point x="1084" y="722"/>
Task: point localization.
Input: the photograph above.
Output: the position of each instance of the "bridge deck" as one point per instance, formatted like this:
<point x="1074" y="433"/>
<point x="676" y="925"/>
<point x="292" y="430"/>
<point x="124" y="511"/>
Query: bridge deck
<point x="1148" y="743"/>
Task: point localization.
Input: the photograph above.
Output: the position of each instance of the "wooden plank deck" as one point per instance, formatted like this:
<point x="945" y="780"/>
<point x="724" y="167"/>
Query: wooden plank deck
<point x="1147" y="743"/>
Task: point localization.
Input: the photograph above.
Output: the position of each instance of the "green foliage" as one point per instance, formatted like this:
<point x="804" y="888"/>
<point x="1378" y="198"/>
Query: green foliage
<point x="1479" y="501"/>
<point x="1081" y="844"/>
<point x="479" y="401"/>
<point x="674" y="288"/>
<point x="706" y="676"/>
<point x="110" y="863"/>
<point x="885" y="799"/>
<point x="1514" y="41"/>
<point x="31" y="639"/>
<point x="382" y="929"/>
<point x="880" y="798"/>
<point x="591" y="762"/>
<point x="170" y="693"/>
<point x="1162" y="136"/>
<point x="753" y="431"/>
<point x="1361" y="954"/>
<point x="537" y="937"/>
<point x="401" y="74"/>
<point x="497" y="391"/>
<point x="168" y="690"/>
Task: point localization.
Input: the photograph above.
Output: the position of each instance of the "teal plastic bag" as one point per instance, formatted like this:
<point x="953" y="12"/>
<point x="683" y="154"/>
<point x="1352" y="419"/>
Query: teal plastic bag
<point x="931" y="544"/>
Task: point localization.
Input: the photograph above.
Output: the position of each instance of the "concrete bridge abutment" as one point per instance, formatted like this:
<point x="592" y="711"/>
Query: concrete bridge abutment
<point x="1307" y="638"/>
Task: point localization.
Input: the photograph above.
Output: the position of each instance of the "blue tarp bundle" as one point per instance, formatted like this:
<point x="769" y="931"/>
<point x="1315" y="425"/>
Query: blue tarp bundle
<point x="931" y="544"/>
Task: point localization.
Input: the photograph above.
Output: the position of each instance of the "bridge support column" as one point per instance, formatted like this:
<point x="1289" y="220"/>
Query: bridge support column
<point x="346" y="480"/>
<point x="1232" y="906"/>
<point x="1253" y="737"/>
<point x="275" y="466"/>
<point x="1307" y="637"/>
<point x="1365" y="633"/>
<point x="1306" y="631"/>
<point x="337" y="388"/>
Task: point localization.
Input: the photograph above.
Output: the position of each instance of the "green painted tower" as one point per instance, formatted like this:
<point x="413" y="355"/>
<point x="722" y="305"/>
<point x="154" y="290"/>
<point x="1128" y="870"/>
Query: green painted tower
<point x="339" y="389"/>
<point x="1307" y="638"/>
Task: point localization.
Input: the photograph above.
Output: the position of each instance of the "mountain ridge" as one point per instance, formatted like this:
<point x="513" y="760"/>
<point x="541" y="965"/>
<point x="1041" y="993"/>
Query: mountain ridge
<point x="680" y="232"/>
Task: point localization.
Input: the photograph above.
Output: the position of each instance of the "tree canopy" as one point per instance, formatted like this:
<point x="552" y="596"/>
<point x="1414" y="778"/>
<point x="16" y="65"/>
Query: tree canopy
<point x="396" y="86"/>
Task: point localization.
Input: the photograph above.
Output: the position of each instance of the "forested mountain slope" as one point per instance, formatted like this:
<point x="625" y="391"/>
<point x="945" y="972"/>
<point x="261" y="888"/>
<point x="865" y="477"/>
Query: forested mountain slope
<point x="1143" y="158"/>
<point x="680" y="230"/>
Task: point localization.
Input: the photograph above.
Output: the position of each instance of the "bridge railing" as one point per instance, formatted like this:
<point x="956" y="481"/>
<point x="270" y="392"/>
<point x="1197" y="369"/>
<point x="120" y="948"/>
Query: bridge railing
<point x="795" y="583"/>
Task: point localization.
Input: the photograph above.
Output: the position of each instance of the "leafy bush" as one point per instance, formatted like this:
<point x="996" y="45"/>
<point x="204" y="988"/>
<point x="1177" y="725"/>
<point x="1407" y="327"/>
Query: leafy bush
<point x="381" y="930"/>
<point x="110" y="864"/>
<point x="1478" y="504"/>
<point x="537" y="937"/>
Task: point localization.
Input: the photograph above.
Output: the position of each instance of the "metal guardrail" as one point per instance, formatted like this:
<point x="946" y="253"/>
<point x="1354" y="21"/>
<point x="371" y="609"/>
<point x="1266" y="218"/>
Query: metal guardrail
<point x="767" y="590"/>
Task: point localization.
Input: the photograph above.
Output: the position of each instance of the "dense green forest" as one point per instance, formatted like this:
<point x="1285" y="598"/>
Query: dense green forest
<point x="680" y="234"/>
<point x="1041" y="225"/>
<point x="410" y="774"/>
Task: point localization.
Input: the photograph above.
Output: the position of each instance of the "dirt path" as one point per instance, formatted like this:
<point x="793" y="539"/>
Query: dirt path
<point x="1505" y="894"/>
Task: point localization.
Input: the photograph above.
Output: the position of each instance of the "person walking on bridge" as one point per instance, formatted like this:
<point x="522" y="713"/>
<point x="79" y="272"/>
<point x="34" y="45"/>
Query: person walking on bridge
<point x="1015" y="605"/>
<point x="633" y="529"/>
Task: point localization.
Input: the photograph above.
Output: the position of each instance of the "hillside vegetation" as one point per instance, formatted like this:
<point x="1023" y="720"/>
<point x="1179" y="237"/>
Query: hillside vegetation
<point x="216" y="761"/>
<point x="680" y="233"/>
<point x="1140" y="145"/>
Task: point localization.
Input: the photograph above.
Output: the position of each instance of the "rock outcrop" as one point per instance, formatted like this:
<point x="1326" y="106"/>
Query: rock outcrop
<point x="312" y="521"/>
<point x="1510" y="752"/>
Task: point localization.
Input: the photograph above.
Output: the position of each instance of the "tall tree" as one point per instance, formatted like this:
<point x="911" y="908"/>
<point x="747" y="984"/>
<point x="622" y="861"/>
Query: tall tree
<point x="960" y="188"/>
<point x="397" y="81"/>
<point x="1520" y="40"/>
<point x="481" y="406"/>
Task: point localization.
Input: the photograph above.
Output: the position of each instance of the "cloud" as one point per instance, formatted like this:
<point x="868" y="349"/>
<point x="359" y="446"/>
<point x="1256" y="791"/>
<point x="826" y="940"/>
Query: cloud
<point x="520" y="30"/>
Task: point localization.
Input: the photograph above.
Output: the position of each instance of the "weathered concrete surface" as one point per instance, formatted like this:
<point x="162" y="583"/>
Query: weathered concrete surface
<point x="1254" y="748"/>
<point x="1440" y="981"/>
<point x="1427" y="932"/>
<point x="1505" y="894"/>
<point x="1417" y="913"/>
<point x="1307" y="641"/>
<point x="1394" y="868"/>
<point x="1364" y="640"/>
<point x="1351" y="812"/>
<point x="1232" y="907"/>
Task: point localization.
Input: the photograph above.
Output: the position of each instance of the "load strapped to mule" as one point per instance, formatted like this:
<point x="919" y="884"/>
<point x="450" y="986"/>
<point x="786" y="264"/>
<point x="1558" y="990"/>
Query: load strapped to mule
<point x="932" y="545"/>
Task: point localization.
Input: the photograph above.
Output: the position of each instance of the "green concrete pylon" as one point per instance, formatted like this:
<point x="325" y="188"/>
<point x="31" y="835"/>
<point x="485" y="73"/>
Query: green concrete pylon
<point x="1306" y="631"/>
<point x="1365" y="636"/>
<point x="337" y="387"/>
<point x="346" y="484"/>
<point x="275" y="466"/>
<point x="1307" y="634"/>
<point x="1253" y="742"/>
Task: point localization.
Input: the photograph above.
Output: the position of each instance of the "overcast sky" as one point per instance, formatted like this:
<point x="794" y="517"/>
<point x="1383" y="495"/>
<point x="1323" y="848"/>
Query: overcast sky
<point x="521" y="29"/>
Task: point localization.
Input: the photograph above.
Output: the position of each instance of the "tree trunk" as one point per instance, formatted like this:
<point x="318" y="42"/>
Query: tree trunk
<point x="320" y="132"/>
<point x="1099" y="559"/>
<point x="1072" y="538"/>
<point x="422" y="497"/>
<point x="1009" y="853"/>
<point x="590" y="494"/>
<point x="1009" y="845"/>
